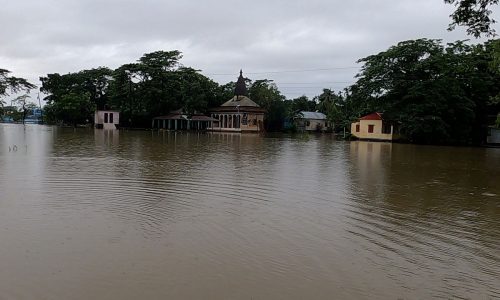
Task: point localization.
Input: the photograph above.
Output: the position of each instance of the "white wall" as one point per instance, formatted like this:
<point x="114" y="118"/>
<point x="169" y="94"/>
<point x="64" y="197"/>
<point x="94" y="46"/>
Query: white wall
<point x="100" y="117"/>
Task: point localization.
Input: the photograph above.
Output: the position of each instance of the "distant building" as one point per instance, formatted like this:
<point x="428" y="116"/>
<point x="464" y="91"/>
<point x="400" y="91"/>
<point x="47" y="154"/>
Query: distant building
<point x="180" y="120"/>
<point x="311" y="121"/>
<point x="493" y="136"/>
<point x="107" y="119"/>
<point x="6" y="119"/>
<point x="373" y="127"/>
<point x="36" y="117"/>
<point x="9" y="111"/>
<point x="240" y="113"/>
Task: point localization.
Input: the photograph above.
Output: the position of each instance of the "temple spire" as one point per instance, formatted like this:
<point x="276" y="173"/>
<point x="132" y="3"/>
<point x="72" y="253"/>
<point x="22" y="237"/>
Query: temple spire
<point x="241" y="88"/>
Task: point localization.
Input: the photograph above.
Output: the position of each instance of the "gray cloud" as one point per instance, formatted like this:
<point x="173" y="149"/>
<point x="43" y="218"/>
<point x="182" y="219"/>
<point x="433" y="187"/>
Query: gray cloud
<point x="218" y="37"/>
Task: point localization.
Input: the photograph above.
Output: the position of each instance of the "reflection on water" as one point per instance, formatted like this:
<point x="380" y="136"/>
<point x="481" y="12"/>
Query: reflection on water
<point x="125" y="215"/>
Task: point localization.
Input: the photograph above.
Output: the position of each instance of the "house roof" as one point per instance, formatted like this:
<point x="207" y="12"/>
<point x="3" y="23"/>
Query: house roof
<point x="312" y="115"/>
<point x="179" y="114"/>
<point x="240" y="101"/>
<point x="170" y="117"/>
<point x="241" y="109"/>
<point x="202" y="118"/>
<point x="373" y="116"/>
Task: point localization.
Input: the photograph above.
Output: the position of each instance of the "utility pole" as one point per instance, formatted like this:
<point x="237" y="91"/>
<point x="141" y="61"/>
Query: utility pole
<point x="41" y="110"/>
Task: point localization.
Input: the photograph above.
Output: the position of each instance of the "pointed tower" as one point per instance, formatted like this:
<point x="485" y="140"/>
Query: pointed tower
<point x="241" y="88"/>
<point x="240" y="113"/>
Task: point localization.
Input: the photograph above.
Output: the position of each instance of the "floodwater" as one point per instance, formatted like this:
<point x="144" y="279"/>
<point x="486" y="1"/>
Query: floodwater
<point x="93" y="214"/>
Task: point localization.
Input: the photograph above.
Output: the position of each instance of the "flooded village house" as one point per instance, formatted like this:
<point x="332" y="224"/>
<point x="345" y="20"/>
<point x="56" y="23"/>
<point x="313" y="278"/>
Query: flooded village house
<point x="181" y="120"/>
<point x="311" y="121"/>
<point x="373" y="127"/>
<point x="106" y="119"/>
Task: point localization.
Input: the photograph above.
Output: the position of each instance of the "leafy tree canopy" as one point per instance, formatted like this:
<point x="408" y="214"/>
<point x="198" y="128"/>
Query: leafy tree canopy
<point x="475" y="15"/>
<point x="13" y="84"/>
<point x="436" y="93"/>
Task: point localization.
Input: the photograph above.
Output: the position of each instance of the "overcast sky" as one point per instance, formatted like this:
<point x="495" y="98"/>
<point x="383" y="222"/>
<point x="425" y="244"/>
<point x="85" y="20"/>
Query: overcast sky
<point x="303" y="46"/>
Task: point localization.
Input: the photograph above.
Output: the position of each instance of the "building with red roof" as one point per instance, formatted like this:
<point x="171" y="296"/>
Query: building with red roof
<point x="373" y="127"/>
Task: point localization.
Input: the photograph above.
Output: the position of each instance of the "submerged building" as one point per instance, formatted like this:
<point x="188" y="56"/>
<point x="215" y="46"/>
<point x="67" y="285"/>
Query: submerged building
<point x="180" y="120"/>
<point x="373" y="127"/>
<point x="107" y="119"/>
<point x="311" y="121"/>
<point x="238" y="114"/>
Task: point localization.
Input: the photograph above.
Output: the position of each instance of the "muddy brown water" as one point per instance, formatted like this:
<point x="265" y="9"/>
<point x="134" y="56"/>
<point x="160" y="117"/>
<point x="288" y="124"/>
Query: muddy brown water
<point x="89" y="214"/>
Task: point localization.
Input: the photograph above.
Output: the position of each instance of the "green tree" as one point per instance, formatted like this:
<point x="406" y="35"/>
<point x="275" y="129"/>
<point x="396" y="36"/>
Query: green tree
<point x="266" y="94"/>
<point x="198" y="92"/>
<point x="12" y="85"/>
<point x="303" y="103"/>
<point x="438" y="94"/>
<point x="333" y="106"/>
<point x="93" y="84"/>
<point x="22" y="102"/>
<point x="158" y="84"/>
<point x="74" y="108"/>
<point x="475" y="15"/>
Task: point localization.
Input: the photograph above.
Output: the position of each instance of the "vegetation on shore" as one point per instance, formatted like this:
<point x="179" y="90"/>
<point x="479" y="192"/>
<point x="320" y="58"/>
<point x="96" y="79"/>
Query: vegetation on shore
<point x="437" y="93"/>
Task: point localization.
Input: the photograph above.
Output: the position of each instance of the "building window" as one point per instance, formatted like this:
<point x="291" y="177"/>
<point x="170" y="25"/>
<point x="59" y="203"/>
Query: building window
<point x="308" y="123"/>
<point x="111" y="118"/>
<point x="357" y="128"/>
<point x="105" y="117"/>
<point x="254" y="122"/>
<point x="370" y="128"/>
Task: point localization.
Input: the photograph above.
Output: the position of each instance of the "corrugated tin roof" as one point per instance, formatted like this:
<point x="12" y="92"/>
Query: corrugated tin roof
<point x="312" y="115"/>
<point x="202" y="118"/>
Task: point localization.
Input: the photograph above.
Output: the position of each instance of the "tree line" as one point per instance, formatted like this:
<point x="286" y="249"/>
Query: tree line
<point x="437" y="93"/>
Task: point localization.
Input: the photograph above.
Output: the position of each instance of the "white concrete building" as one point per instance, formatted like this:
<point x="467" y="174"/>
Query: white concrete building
<point x="107" y="119"/>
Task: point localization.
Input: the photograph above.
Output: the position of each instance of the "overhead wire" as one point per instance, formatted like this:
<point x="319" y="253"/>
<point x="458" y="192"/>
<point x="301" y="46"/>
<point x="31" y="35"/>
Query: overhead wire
<point x="286" y="71"/>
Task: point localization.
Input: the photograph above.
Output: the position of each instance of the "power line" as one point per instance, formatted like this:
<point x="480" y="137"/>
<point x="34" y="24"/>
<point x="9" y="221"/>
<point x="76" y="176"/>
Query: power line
<point x="286" y="71"/>
<point x="303" y="87"/>
<point x="330" y="82"/>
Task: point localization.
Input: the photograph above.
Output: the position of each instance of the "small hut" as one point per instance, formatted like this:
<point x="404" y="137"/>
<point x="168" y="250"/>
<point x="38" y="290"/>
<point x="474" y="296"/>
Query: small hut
<point x="107" y="119"/>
